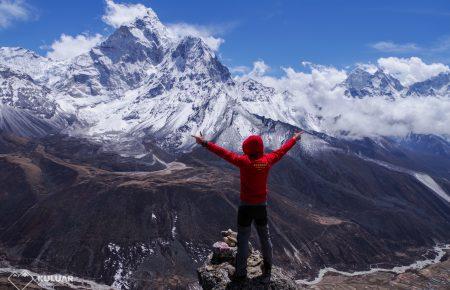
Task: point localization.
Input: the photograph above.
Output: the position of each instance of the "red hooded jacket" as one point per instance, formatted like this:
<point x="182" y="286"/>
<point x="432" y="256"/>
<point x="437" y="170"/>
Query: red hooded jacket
<point x="254" y="166"/>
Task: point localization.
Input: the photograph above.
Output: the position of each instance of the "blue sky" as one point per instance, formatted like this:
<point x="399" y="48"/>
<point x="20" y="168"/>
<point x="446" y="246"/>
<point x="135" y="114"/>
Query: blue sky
<point x="282" y="33"/>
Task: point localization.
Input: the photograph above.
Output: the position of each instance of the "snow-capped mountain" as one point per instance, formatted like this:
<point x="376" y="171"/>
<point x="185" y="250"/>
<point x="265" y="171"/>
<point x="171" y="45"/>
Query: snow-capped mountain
<point x="142" y="82"/>
<point x="361" y="83"/>
<point x="27" y="107"/>
<point x="438" y="85"/>
<point x="27" y="62"/>
<point x="19" y="90"/>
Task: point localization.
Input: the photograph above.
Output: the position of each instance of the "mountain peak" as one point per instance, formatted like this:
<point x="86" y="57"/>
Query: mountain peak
<point x="253" y="91"/>
<point x="136" y="37"/>
<point x="123" y="14"/>
<point x="149" y="17"/>
<point x="437" y="85"/>
<point x="192" y="47"/>
<point x="17" y="51"/>
<point x="26" y="61"/>
<point x="361" y="83"/>
<point x="143" y="40"/>
<point x="19" y="56"/>
<point x="150" y="23"/>
<point x="193" y="54"/>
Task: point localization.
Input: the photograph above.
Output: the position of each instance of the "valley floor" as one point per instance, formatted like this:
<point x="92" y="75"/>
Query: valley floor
<point x="436" y="276"/>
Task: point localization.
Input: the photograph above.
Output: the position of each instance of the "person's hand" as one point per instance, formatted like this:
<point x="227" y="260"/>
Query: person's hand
<point x="199" y="139"/>
<point x="298" y="135"/>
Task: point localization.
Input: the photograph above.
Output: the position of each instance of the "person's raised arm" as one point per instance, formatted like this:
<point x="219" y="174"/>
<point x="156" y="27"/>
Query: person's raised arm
<point x="276" y="155"/>
<point x="229" y="156"/>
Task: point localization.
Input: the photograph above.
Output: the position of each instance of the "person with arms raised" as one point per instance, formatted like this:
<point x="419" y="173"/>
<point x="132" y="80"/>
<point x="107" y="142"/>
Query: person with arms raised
<point x="254" y="167"/>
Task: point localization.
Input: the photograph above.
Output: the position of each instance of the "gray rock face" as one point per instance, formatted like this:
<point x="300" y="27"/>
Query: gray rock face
<point x="253" y="91"/>
<point x="218" y="269"/>
<point x="21" y="91"/>
<point x="25" y="105"/>
<point x="141" y="81"/>
<point x="154" y="229"/>
<point x="437" y="85"/>
<point x="361" y="83"/>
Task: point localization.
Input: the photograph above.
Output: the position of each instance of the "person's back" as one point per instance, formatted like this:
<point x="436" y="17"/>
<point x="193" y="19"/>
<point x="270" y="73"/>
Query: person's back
<point x="254" y="168"/>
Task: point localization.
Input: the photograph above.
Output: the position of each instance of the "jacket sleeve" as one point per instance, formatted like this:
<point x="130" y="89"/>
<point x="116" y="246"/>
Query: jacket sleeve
<point x="229" y="156"/>
<point x="276" y="155"/>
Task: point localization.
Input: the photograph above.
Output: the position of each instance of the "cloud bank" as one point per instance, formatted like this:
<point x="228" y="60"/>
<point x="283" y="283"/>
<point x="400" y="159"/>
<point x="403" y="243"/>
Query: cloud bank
<point x="389" y="46"/>
<point x="317" y="92"/>
<point x="438" y="49"/>
<point x="13" y="10"/>
<point x="117" y="14"/>
<point x="206" y="33"/>
<point x="411" y="70"/>
<point x="67" y="46"/>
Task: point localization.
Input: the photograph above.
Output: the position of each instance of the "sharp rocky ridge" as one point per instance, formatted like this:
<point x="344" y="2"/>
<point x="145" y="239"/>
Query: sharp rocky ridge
<point x="141" y="82"/>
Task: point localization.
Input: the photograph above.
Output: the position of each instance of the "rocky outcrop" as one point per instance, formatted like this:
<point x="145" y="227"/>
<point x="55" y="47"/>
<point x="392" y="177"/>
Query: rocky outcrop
<point x="65" y="205"/>
<point x="218" y="270"/>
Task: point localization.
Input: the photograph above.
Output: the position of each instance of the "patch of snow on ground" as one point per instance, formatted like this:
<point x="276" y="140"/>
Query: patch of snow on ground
<point x="174" y="226"/>
<point x="431" y="184"/>
<point x="121" y="277"/>
<point x="423" y="178"/>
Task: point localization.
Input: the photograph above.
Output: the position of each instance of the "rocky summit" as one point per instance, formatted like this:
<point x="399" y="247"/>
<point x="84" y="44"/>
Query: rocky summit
<point x="217" y="272"/>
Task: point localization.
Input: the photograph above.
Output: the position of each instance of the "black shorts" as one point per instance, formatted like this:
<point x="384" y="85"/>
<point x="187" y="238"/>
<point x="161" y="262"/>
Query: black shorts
<point x="248" y="213"/>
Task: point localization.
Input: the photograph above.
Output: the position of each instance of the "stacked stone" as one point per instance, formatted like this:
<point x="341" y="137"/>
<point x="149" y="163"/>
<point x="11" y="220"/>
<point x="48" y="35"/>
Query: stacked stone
<point x="218" y="270"/>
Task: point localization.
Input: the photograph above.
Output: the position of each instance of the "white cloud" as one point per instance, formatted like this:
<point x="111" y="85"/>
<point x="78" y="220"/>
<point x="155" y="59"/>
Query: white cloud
<point x="317" y="92"/>
<point x="411" y="70"/>
<point x="240" y="69"/>
<point x="389" y="46"/>
<point x="206" y="33"/>
<point x="378" y="116"/>
<point x="68" y="46"/>
<point x="369" y="67"/>
<point x="438" y="49"/>
<point x="119" y="14"/>
<point x="13" y="10"/>
<point x="259" y="69"/>
<point x="320" y="78"/>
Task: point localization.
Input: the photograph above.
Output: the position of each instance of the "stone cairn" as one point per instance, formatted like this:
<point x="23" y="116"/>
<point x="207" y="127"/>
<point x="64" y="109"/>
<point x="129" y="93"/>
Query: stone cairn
<point x="217" y="272"/>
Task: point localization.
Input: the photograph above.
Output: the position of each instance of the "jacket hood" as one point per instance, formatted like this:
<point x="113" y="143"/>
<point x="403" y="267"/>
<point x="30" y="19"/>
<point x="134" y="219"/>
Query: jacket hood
<point x="253" y="146"/>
